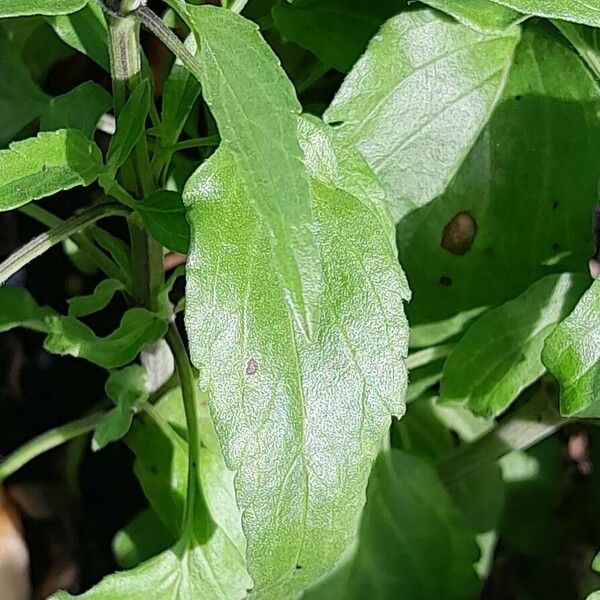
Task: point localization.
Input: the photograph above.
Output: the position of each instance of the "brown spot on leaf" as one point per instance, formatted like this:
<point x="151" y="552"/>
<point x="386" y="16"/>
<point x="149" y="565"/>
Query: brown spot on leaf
<point x="445" y="281"/>
<point x="488" y="253"/>
<point x="459" y="233"/>
<point x="251" y="367"/>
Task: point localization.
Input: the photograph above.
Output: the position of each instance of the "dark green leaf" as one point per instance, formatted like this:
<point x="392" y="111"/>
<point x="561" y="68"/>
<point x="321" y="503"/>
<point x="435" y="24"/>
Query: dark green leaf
<point x="41" y="166"/>
<point x="19" y="8"/>
<point x="520" y="207"/>
<point x="80" y="109"/>
<point x="337" y="31"/>
<point x="128" y="389"/>
<point x="119" y="251"/>
<point x="139" y="328"/>
<point x="19" y="309"/>
<point x="21" y="100"/>
<point x="299" y="419"/>
<point x="572" y="354"/>
<point x="256" y="110"/>
<point x="164" y="216"/>
<point x="481" y="15"/>
<point x="401" y="103"/>
<point x="131" y="125"/>
<point x="82" y="306"/>
<point x="500" y="355"/>
<point x="586" y="40"/>
<point x="86" y="31"/>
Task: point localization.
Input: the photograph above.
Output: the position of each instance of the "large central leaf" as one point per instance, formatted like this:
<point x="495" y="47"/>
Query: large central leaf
<point x="256" y="109"/>
<point x="300" y="420"/>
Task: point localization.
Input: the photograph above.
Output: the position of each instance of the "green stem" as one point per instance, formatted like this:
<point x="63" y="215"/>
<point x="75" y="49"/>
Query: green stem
<point x="136" y="174"/>
<point x="424" y="357"/>
<point x="37" y="246"/>
<point x="47" y="441"/>
<point x="203" y="142"/>
<point x="186" y="379"/>
<point x="81" y="239"/>
<point x="528" y="425"/>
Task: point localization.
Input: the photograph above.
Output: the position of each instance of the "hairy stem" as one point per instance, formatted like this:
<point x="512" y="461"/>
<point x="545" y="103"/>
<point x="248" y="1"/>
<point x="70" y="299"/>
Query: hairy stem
<point x="186" y="380"/>
<point x="528" y="425"/>
<point x="37" y="246"/>
<point x="47" y="441"/>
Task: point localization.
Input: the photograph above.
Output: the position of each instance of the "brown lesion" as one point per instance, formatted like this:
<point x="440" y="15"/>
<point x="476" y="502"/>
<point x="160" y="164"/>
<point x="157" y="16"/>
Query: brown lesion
<point x="251" y="367"/>
<point x="459" y="233"/>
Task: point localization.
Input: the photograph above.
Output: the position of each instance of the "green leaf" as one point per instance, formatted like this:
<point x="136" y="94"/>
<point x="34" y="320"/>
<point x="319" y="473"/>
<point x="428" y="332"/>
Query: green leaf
<point x="337" y="31"/>
<point x="520" y="207"/>
<point x="19" y="309"/>
<point x="82" y="306"/>
<point x="572" y="355"/>
<point x="128" y="389"/>
<point x="119" y="251"/>
<point x="86" y="31"/>
<point x="586" y="40"/>
<point x="142" y="538"/>
<point x="256" y="110"/>
<point x="579" y="11"/>
<point x="81" y="109"/>
<point x="299" y="418"/>
<point x="410" y="530"/>
<point x="481" y="15"/>
<point x="164" y="216"/>
<point x="500" y="355"/>
<point x="414" y="109"/>
<point x="21" y="8"/>
<point x="210" y="566"/>
<point x="46" y="164"/>
<point x="139" y="328"/>
<point x="131" y="124"/>
<point x="21" y="100"/>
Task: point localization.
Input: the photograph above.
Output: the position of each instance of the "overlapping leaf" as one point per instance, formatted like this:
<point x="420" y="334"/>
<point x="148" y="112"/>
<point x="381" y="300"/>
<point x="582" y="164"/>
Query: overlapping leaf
<point x="579" y="11"/>
<point x="481" y="15"/>
<point x="19" y="309"/>
<point x="20" y="8"/>
<point x="300" y="420"/>
<point x="418" y="98"/>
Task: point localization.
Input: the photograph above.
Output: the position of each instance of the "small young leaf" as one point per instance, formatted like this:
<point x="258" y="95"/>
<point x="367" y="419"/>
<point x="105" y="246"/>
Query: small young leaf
<point x="481" y="15"/>
<point x="82" y="306"/>
<point x="500" y="355"/>
<point x="86" y="31"/>
<point x="414" y="109"/>
<point x="164" y="216"/>
<point x="337" y="31"/>
<point x="578" y="11"/>
<point x="21" y="8"/>
<point x="299" y="419"/>
<point x="21" y="100"/>
<point x="46" y="164"/>
<point x="19" y="309"/>
<point x="80" y="109"/>
<point x="119" y="251"/>
<point x="128" y="389"/>
<point x="139" y="328"/>
<point x="131" y="124"/>
<point x="572" y="355"/>
<point x="251" y="98"/>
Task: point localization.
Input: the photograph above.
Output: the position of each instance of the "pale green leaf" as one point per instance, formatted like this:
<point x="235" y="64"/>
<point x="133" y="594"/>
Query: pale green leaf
<point x="520" y="207"/>
<point x="337" y="31"/>
<point x="500" y="355"/>
<point x="138" y="328"/>
<point x="300" y="419"/>
<point x="86" y="31"/>
<point x="128" y="390"/>
<point x="81" y="109"/>
<point x="416" y="101"/>
<point x="256" y="111"/>
<point x="131" y="124"/>
<point x="579" y="11"/>
<point x="164" y="216"/>
<point x="20" y="8"/>
<point x="413" y="542"/>
<point x="82" y="306"/>
<point x="481" y="15"/>
<point x="572" y="354"/>
<point x="21" y="100"/>
<point x="19" y="309"/>
<point x="46" y="164"/>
